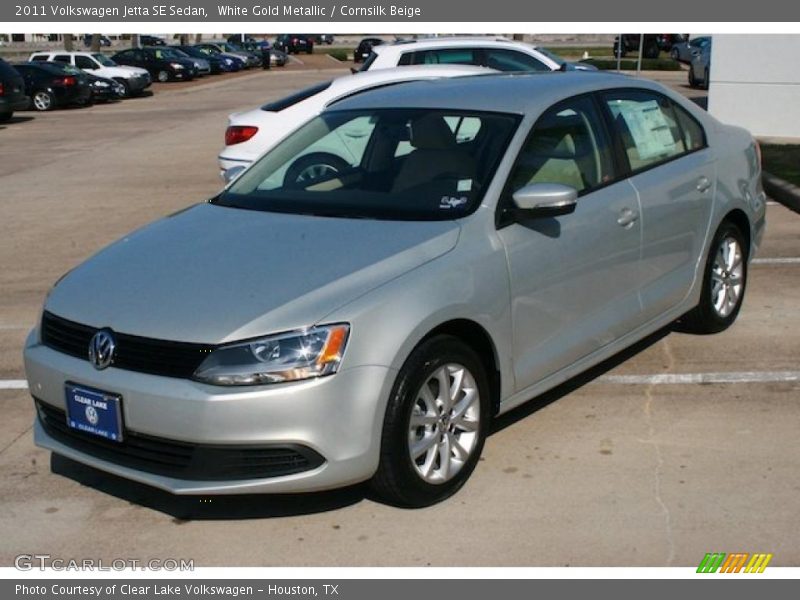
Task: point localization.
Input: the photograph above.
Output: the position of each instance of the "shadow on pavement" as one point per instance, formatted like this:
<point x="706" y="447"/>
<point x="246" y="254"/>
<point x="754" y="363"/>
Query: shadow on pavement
<point x="201" y="508"/>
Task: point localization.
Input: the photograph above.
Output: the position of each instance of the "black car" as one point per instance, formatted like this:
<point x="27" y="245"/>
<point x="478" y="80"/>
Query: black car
<point x="157" y="62"/>
<point x="654" y="43"/>
<point x="294" y="43"/>
<point x="323" y="38"/>
<point x="12" y="91"/>
<point x="364" y="48"/>
<point x="216" y="62"/>
<point x="105" y="90"/>
<point x="151" y="40"/>
<point x="51" y="85"/>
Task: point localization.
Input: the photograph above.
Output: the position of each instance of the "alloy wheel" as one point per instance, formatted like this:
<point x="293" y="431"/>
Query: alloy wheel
<point x="726" y="277"/>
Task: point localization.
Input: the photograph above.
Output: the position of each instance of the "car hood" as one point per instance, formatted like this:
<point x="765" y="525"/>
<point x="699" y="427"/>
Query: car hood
<point x="125" y="71"/>
<point x="213" y="274"/>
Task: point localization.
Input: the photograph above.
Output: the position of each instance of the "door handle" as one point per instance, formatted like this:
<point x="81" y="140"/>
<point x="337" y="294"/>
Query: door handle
<point x="627" y="217"/>
<point x="703" y="184"/>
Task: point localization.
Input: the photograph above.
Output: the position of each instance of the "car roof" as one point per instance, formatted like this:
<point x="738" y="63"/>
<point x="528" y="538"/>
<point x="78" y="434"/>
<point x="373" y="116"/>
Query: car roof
<point x="454" y="42"/>
<point x="516" y="93"/>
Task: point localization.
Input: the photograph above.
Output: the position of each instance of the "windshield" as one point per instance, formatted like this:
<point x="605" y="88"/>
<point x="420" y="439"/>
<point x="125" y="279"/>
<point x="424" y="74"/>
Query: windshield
<point x="407" y="164"/>
<point x="104" y="60"/>
<point x="162" y="53"/>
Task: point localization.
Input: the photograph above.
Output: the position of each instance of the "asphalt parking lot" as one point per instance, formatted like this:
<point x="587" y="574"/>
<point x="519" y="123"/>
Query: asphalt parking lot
<point x="684" y="445"/>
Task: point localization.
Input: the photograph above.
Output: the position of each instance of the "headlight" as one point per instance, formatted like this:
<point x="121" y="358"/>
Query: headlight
<point x="176" y="66"/>
<point x="289" y="356"/>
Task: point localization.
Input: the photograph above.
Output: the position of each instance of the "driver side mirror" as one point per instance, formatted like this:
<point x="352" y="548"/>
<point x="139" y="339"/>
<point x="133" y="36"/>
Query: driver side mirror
<point x="544" y="200"/>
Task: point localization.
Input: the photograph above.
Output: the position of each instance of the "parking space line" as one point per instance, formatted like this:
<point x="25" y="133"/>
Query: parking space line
<point x="13" y="384"/>
<point x="787" y="260"/>
<point x="696" y="378"/>
<point x="654" y="379"/>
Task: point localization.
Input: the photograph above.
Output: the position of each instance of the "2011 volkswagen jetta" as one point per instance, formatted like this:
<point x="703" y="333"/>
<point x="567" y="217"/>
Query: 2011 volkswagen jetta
<point x="490" y="237"/>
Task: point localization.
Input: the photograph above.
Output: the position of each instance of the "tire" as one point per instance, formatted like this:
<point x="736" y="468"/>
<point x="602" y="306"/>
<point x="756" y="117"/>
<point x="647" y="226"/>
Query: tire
<point x="313" y="166"/>
<point x="6" y="116"/>
<point x="705" y="79"/>
<point x="674" y="54"/>
<point x="43" y="101"/>
<point x="651" y="51"/>
<point x="711" y="315"/>
<point x="162" y="76"/>
<point x="619" y="51"/>
<point x="405" y="480"/>
<point x="692" y="78"/>
<point x="125" y="85"/>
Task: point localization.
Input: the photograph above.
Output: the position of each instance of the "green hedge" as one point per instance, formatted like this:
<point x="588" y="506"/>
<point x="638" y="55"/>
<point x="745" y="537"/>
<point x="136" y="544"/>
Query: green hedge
<point x="627" y="64"/>
<point x="782" y="161"/>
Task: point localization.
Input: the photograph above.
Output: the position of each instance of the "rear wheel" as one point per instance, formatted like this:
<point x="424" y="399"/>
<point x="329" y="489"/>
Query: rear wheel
<point x="43" y="101"/>
<point x="724" y="282"/>
<point x="163" y="76"/>
<point x="692" y="78"/>
<point x="435" y="425"/>
<point x="674" y="54"/>
<point x="317" y="165"/>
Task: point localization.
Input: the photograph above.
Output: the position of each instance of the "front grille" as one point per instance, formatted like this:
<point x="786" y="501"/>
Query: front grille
<point x="133" y="353"/>
<point x="182" y="460"/>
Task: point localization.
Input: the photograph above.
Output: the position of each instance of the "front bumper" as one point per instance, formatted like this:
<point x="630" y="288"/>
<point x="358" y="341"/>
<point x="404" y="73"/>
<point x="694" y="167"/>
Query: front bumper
<point x="338" y="417"/>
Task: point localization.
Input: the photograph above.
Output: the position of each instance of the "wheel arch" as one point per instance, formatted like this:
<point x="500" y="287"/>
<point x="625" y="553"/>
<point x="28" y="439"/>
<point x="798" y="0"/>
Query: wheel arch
<point x="739" y="218"/>
<point x="478" y="339"/>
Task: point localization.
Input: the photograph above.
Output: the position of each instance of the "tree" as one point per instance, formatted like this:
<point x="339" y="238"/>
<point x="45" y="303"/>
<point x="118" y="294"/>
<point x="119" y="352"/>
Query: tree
<point x="95" y="42"/>
<point x="68" y="42"/>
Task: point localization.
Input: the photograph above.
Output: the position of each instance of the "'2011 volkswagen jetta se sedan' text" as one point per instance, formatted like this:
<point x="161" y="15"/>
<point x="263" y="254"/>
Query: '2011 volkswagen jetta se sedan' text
<point x="486" y="239"/>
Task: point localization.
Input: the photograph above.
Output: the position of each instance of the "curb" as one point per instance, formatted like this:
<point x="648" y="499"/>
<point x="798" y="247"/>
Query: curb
<point x="782" y="191"/>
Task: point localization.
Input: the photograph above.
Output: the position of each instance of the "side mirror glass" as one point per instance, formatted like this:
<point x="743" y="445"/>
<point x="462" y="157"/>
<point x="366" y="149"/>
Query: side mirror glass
<point x="544" y="200"/>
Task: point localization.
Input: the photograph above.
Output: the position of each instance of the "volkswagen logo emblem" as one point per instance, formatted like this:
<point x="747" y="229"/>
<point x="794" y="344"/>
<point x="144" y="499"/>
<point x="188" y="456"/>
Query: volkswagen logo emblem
<point x="91" y="415"/>
<point x="101" y="349"/>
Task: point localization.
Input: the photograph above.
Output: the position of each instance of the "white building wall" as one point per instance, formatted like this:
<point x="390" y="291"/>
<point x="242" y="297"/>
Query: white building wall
<point x="755" y="83"/>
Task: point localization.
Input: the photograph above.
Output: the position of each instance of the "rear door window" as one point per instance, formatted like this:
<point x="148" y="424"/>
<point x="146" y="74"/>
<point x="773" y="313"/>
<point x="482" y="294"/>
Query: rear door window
<point x="84" y="62"/>
<point x="502" y="59"/>
<point x="647" y="125"/>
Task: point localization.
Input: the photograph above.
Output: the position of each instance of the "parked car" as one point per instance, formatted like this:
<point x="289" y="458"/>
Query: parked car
<point x="135" y="80"/>
<point x="700" y="67"/>
<point x="216" y="64"/>
<point x="250" y="60"/>
<point x="251" y="43"/>
<point x="231" y="62"/>
<point x="202" y="66"/>
<point x="684" y="51"/>
<point x="105" y="90"/>
<point x="485" y="246"/>
<point x="323" y="38"/>
<point x="499" y="54"/>
<point x="294" y="43"/>
<point x="251" y="133"/>
<point x="104" y="40"/>
<point x="158" y="62"/>
<point x="364" y="48"/>
<point x="654" y="43"/>
<point x="151" y="40"/>
<point x="50" y="86"/>
<point x="278" y="58"/>
<point x="12" y="92"/>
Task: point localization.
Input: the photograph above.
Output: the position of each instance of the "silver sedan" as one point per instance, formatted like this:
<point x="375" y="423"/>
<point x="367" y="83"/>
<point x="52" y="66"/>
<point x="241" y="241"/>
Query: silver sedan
<point x="477" y="242"/>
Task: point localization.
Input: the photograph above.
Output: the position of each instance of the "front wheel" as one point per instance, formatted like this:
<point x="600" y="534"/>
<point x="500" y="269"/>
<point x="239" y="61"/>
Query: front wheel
<point x="435" y="425"/>
<point x="163" y="76"/>
<point x="724" y="282"/>
<point x="126" y="87"/>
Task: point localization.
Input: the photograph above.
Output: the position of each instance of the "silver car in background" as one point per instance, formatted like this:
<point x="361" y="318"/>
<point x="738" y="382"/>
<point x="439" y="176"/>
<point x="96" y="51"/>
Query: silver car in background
<point x="496" y="236"/>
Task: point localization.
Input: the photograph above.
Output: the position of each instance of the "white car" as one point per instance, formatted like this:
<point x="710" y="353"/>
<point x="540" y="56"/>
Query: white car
<point x="250" y="134"/>
<point x="500" y="54"/>
<point x="133" y="79"/>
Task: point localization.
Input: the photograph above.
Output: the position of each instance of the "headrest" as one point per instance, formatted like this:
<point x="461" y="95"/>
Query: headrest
<point x="431" y="132"/>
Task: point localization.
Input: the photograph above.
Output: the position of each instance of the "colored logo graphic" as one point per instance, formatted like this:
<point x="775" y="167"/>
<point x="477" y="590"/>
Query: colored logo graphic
<point x="739" y="562"/>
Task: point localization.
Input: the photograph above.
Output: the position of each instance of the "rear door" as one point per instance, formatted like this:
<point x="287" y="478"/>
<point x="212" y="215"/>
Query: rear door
<point x="574" y="277"/>
<point x="674" y="172"/>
